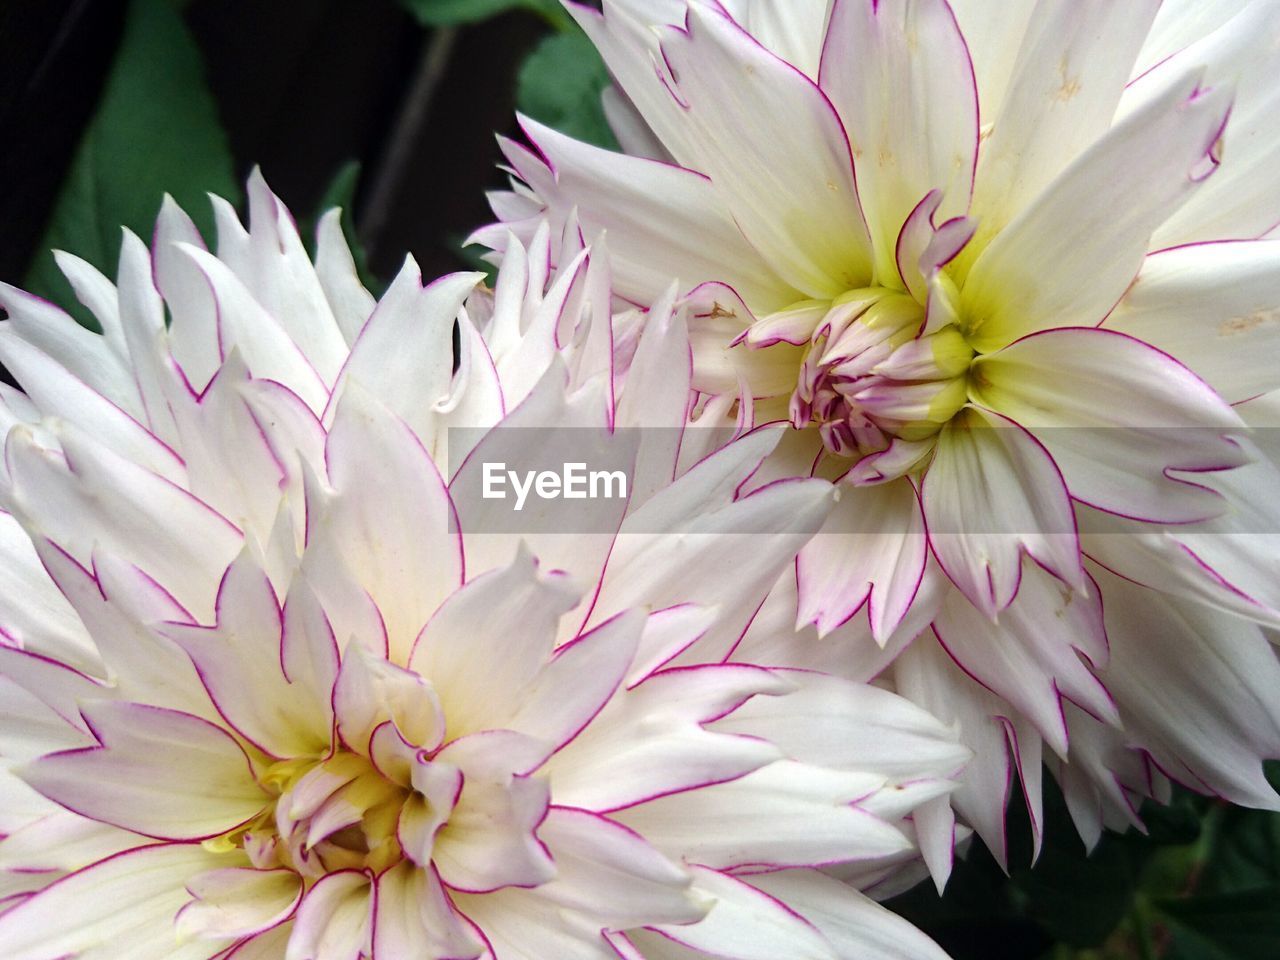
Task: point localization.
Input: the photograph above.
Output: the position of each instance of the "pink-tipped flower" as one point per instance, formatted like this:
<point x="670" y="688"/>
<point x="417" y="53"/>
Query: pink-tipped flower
<point x="999" y="266"/>
<point x="270" y="692"/>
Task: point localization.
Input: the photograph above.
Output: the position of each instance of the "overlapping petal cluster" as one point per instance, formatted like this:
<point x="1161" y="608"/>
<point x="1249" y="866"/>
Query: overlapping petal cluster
<point x="268" y="692"/>
<point x="1003" y="269"/>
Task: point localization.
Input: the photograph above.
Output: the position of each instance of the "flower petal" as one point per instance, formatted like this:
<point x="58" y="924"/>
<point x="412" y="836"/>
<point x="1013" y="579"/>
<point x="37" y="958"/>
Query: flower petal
<point x="651" y="740"/>
<point x="156" y="772"/>
<point x="491" y="841"/>
<point x="745" y="924"/>
<point x="234" y="902"/>
<point x="792" y="188"/>
<point x="414" y="917"/>
<point x="1090" y="228"/>
<point x="1242" y="200"/>
<point x="239" y="662"/>
<point x="1123" y="421"/>
<point x="899" y="74"/>
<point x="1032" y="656"/>
<point x="856" y="925"/>
<point x="335" y="921"/>
<point x="1071" y="69"/>
<point x="612" y="875"/>
<point x="467" y="652"/>
<point x="992" y="494"/>
<point x="124" y="903"/>
<point x="834" y="723"/>
<point x="786" y="814"/>
<point x="871" y="550"/>
<point x="392" y="527"/>
<point x="663" y="222"/>
<point x="1214" y="306"/>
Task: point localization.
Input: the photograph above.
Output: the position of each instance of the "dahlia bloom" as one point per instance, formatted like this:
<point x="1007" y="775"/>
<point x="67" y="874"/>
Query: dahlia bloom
<point x="268" y="693"/>
<point x="999" y="267"/>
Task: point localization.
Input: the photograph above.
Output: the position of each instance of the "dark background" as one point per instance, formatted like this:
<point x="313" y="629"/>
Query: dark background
<point x="302" y="86"/>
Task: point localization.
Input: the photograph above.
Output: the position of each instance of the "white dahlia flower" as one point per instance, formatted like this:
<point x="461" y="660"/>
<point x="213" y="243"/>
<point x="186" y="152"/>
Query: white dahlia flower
<point x="266" y="693"/>
<point x="999" y="266"/>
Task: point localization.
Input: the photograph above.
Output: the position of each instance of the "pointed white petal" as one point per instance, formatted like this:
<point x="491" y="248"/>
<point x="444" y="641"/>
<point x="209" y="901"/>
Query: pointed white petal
<point x="1125" y="423"/>
<point x="899" y="74"/>
<point x="992" y="494"/>
<point x="157" y="772"/>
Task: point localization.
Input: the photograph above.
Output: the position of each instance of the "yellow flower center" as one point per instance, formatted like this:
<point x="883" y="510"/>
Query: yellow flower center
<point x="328" y="814"/>
<point x="878" y="369"/>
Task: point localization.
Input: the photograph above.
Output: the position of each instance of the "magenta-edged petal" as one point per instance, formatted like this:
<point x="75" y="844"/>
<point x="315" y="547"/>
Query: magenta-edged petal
<point x="414" y="917"/>
<point x="86" y="357"/>
<point x="1128" y="426"/>
<point x="650" y="740"/>
<point x="234" y="902"/>
<point x="1225" y="720"/>
<point x="437" y="786"/>
<point x="571" y="690"/>
<point x="370" y="691"/>
<point x="1089" y="230"/>
<point x="745" y="923"/>
<point x="265" y="946"/>
<point x="58" y="392"/>
<point x="854" y="924"/>
<point x="926" y="675"/>
<point x="418" y="319"/>
<point x="1241" y="201"/>
<point x="655" y="395"/>
<point x="156" y="772"/>
<point x="832" y="722"/>
<point x="34" y="615"/>
<point x="60" y="688"/>
<point x="1033" y="656"/>
<point x="792" y="188"/>
<point x="114" y="601"/>
<point x="468" y="653"/>
<point x="239" y="662"/>
<point x="607" y="872"/>
<point x="572" y="427"/>
<point x="926" y="244"/>
<point x="899" y="74"/>
<point x="1064" y="85"/>
<point x="390" y="526"/>
<point x="1212" y="306"/>
<point x="871" y="551"/>
<point x="58" y="841"/>
<point x="1224" y="562"/>
<point x="786" y="814"/>
<point x="243" y="323"/>
<point x="491" y="838"/>
<point x="663" y="221"/>
<point x="992" y="494"/>
<point x="514" y="922"/>
<point x="96" y="499"/>
<point x="335" y="921"/>
<point x="124" y="903"/>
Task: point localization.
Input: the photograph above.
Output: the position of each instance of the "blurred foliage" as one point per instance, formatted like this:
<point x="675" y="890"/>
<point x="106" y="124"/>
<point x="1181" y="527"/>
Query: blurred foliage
<point x="1202" y="884"/>
<point x="156" y="129"/>
<point x="560" y="85"/>
<point x="439" y="13"/>
<point x="561" y="80"/>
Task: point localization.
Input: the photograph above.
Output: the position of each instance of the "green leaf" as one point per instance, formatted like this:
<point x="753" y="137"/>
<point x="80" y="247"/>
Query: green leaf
<point x="438" y="13"/>
<point x="156" y="130"/>
<point x="560" y="85"/>
<point x="1242" y="926"/>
